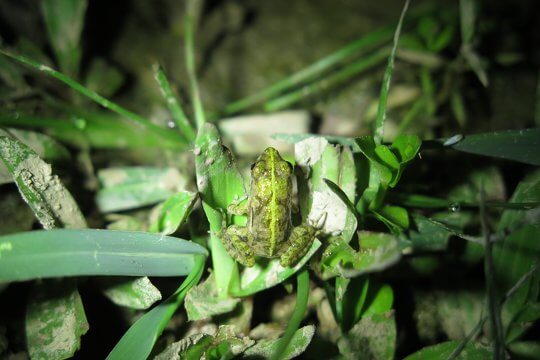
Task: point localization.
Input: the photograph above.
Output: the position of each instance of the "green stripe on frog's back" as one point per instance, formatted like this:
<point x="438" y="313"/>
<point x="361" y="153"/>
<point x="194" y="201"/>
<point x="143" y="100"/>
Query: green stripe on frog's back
<point x="272" y="242"/>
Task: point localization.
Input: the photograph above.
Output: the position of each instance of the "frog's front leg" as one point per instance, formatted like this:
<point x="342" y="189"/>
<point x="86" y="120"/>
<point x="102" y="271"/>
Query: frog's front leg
<point x="235" y="240"/>
<point x="298" y="244"/>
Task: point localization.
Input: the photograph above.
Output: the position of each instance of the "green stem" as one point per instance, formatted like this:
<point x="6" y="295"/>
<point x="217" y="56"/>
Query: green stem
<point x="302" y="296"/>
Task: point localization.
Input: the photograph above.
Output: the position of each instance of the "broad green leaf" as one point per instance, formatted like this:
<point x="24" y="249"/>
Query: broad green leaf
<point x="173" y="212"/>
<point x="298" y="344"/>
<point x="472" y="351"/>
<point x="138" y="341"/>
<point x="219" y="184"/>
<point x="373" y="337"/>
<point x="202" y="301"/>
<point x="53" y="253"/>
<point x="65" y="20"/>
<point x="517" y="145"/>
<point x="387" y="156"/>
<point x="268" y="273"/>
<point x="126" y="188"/>
<point x="136" y="293"/>
<point x="51" y="202"/>
<point x="55" y="320"/>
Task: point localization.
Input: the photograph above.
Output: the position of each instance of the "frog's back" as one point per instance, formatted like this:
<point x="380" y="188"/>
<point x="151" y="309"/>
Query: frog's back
<point x="270" y="204"/>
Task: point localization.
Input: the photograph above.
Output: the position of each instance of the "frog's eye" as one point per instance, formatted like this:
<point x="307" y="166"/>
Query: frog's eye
<point x="286" y="168"/>
<point x="253" y="165"/>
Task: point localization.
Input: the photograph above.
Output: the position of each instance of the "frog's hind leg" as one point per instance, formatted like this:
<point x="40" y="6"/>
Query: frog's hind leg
<point x="235" y="242"/>
<point x="298" y="244"/>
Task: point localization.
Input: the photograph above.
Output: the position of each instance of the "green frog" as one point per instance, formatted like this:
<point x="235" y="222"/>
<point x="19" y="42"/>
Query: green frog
<point x="269" y="232"/>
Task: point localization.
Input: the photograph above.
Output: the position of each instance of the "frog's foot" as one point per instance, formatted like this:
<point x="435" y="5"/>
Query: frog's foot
<point x="238" y="207"/>
<point x="234" y="240"/>
<point x="298" y="244"/>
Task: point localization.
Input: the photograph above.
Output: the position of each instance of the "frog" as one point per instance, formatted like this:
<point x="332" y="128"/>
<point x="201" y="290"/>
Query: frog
<point x="269" y="231"/>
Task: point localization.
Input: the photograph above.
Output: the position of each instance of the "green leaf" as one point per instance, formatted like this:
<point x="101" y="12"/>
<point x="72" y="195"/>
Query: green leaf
<point x="219" y="183"/>
<point x="517" y="145"/>
<point x="132" y="293"/>
<point x="65" y="20"/>
<point x="395" y="217"/>
<point x="53" y="253"/>
<point x="298" y="344"/>
<point x="174" y="212"/>
<point x="138" y="341"/>
<point x="126" y="188"/>
<point x="472" y="351"/>
<point x="55" y="320"/>
<point x="379" y="300"/>
<point x="202" y="301"/>
<point x="373" y="337"/>
<point x="51" y="202"/>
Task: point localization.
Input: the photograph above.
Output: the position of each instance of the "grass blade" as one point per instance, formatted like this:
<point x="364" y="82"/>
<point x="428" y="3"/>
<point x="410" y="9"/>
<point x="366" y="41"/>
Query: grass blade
<point x="385" y="88"/>
<point x="190" y="25"/>
<point x="374" y="39"/>
<point x="64" y="20"/>
<point x="178" y="115"/>
<point x="138" y="341"/>
<point x="327" y="83"/>
<point x="171" y="138"/>
<point x="302" y="296"/>
<point x="54" y="253"/>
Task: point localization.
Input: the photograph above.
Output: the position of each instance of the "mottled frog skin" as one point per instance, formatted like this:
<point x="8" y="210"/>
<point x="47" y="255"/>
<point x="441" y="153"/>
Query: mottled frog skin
<point x="269" y="232"/>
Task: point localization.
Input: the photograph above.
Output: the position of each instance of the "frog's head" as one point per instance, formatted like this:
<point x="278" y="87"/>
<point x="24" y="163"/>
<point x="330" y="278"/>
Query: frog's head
<point x="270" y="160"/>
